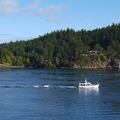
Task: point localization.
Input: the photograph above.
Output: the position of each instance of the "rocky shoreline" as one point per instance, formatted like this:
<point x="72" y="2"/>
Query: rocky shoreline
<point x="96" y="64"/>
<point x="8" y="66"/>
<point x="99" y="64"/>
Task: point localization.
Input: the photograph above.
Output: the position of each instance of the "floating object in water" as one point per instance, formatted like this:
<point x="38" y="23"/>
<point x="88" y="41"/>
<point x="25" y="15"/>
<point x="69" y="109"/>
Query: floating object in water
<point x="45" y="85"/>
<point x="87" y="84"/>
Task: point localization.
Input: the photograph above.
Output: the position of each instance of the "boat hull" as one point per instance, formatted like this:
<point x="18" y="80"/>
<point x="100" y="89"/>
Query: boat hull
<point x="90" y="86"/>
<point x="45" y="85"/>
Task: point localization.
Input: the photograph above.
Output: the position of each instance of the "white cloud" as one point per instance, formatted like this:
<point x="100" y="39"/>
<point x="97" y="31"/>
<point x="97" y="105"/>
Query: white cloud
<point x="30" y="6"/>
<point x="12" y="6"/>
<point x="49" y="12"/>
<point x="113" y="20"/>
<point x="8" y="6"/>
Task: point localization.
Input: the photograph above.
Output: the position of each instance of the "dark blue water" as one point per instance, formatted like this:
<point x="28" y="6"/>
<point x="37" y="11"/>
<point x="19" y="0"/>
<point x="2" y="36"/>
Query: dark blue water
<point x="22" y="96"/>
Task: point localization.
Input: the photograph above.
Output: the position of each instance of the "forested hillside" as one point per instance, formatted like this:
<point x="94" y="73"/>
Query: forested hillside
<point x="62" y="48"/>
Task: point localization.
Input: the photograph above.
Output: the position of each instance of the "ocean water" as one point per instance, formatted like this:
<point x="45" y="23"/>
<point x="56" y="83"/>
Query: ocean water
<point x="23" y="96"/>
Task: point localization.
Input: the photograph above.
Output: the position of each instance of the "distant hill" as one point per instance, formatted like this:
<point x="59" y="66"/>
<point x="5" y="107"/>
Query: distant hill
<point x="63" y="48"/>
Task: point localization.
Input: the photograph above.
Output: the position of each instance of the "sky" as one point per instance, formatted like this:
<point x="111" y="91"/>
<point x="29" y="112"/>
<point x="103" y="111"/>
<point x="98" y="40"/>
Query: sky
<point x="29" y="19"/>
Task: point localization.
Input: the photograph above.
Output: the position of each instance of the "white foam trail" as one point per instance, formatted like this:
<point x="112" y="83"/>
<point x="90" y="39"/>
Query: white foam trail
<point x="20" y="86"/>
<point x="71" y="86"/>
<point x="36" y="86"/>
<point x="65" y="87"/>
<point x="25" y="86"/>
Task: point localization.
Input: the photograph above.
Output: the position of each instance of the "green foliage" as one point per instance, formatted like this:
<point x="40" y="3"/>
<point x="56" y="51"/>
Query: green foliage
<point x="67" y="45"/>
<point x="65" y="63"/>
<point x="41" y="60"/>
<point x="3" y="61"/>
<point x="50" y="63"/>
<point x="8" y="60"/>
<point x="71" y="64"/>
<point x="45" y="64"/>
<point x="19" y="61"/>
<point x="98" y="47"/>
<point x="27" y="61"/>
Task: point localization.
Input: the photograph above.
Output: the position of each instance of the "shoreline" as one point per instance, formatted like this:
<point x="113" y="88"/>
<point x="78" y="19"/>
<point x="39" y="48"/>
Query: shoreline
<point x="7" y="66"/>
<point x="83" y="67"/>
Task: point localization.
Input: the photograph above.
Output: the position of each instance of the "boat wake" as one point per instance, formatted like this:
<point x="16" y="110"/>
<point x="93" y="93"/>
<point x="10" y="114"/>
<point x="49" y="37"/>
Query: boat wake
<point x="45" y="86"/>
<point x="38" y="86"/>
<point x="22" y="86"/>
<point x="65" y="86"/>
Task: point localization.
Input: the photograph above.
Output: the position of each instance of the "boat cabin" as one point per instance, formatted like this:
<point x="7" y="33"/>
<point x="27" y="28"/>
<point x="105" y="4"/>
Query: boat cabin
<point x="86" y="83"/>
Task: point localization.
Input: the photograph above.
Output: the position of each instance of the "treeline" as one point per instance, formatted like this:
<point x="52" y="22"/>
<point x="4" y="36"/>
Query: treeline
<point x="61" y="48"/>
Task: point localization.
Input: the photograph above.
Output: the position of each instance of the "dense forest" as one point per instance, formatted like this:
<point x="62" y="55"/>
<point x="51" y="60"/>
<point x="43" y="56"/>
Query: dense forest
<point x="62" y="48"/>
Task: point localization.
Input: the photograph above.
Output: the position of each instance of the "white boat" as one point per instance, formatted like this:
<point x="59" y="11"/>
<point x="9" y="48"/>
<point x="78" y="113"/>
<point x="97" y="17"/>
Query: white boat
<point x="87" y="84"/>
<point x="45" y="85"/>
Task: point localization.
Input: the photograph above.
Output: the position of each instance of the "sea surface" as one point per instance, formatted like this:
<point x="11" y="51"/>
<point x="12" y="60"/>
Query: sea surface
<point x="23" y="96"/>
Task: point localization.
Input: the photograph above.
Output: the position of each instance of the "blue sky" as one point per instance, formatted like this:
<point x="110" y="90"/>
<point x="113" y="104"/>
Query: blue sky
<point x="27" y="19"/>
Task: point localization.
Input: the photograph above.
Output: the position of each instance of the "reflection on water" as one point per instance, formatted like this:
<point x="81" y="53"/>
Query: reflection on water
<point x="88" y="91"/>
